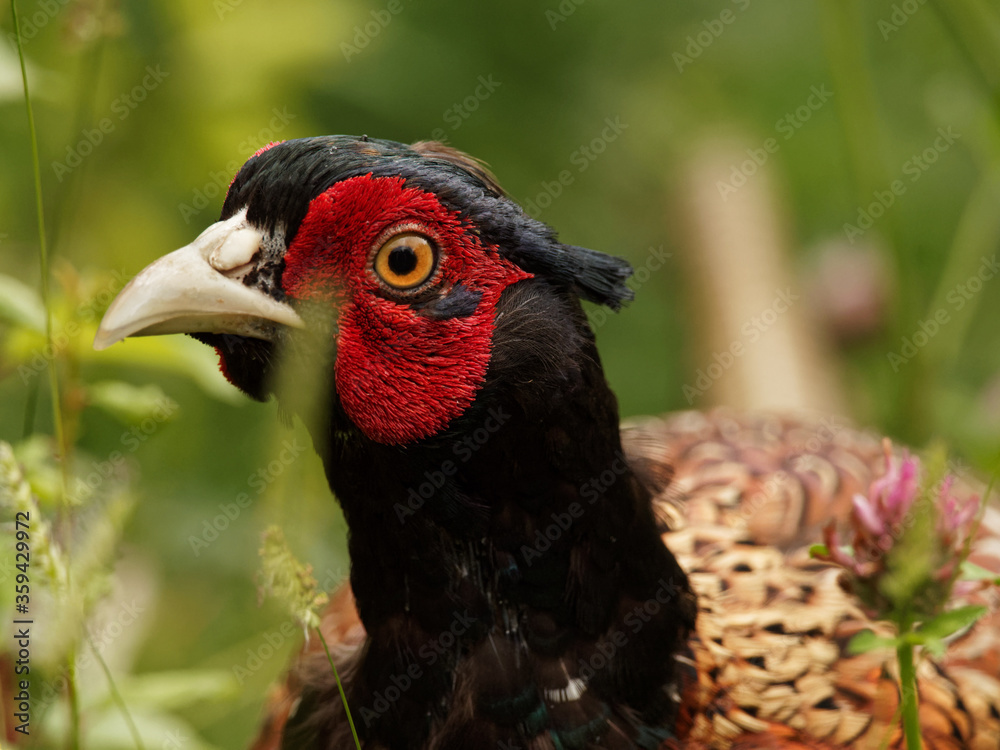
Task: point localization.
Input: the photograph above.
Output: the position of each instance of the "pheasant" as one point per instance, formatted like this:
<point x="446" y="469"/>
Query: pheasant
<point x="525" y="572"/>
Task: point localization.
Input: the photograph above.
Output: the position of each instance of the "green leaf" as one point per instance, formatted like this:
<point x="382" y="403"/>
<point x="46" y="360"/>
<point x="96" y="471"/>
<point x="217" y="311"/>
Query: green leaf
<point x="819" y="550"/>
<point x="866" y="641"/>
<point x="972" y="572"/>
<point x="20" y="304"/>
<point x="168" y="691"/>
<point x="130" y="403"/>
<point x="935" y="646"/>
<point x="105" y="729"/>
<point x="40" y="468"/>
<point x="178" y="354"/>
<point x="950" y="622"/>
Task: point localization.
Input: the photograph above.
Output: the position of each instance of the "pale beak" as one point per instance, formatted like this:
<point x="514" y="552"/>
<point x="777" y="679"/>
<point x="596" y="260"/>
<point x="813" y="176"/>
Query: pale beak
<point x="198" y="289"/>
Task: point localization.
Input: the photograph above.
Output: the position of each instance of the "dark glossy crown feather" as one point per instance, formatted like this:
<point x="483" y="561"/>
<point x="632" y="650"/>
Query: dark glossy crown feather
<point x="278" y="184"/>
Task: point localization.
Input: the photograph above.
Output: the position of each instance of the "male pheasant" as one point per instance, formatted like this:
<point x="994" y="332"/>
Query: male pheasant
<point x="524" y="573"/>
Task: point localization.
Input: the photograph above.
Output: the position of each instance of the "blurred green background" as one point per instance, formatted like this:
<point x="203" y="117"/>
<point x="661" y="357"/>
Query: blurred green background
<point x="145" y="109"/>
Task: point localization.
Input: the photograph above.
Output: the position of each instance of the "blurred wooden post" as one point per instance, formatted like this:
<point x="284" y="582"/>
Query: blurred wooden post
<point x="748" y="299"/>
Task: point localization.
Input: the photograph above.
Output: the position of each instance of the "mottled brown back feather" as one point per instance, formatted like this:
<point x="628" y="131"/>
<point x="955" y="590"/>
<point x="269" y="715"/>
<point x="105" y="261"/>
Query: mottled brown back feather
<point x="748" y="496"/>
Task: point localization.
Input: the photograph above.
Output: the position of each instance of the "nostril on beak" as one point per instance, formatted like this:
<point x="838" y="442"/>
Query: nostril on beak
<point x="236" y="250"/>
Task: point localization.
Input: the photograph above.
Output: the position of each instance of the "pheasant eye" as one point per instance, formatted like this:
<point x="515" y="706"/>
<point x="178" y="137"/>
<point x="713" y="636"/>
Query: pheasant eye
<point x="405" y="261"/>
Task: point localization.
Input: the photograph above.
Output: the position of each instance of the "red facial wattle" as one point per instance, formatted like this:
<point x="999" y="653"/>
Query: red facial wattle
<point x="402" y="375"/>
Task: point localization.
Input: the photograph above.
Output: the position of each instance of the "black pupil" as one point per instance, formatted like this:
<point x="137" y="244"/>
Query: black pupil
<point x="402" y="260"/>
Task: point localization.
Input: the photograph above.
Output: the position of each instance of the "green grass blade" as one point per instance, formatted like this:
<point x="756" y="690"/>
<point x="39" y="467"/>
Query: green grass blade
<point x="73" y="739"/>
<point x="975" y="29"/>
<point x="340" y="687"/>
<point x="117" y="696"/>
<point x="43" y="249"/>
<point x="973" y="247"/>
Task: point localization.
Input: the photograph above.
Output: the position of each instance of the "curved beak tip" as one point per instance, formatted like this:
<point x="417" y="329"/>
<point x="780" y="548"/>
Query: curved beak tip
<point x="104" y="338"/>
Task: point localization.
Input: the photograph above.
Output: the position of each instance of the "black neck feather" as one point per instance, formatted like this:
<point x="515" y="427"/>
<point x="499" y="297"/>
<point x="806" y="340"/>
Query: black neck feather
<point x="512" y="557"/>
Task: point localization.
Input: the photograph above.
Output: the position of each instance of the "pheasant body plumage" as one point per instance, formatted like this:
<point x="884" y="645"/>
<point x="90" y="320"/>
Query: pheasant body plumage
<point x="767" y="665"/>
<point x="749" y="497"/>
<point x="523" y="574"/>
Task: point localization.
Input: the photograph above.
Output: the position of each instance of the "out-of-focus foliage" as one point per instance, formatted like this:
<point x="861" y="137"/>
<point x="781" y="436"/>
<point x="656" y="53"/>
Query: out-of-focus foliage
<point x="586" y="111"/>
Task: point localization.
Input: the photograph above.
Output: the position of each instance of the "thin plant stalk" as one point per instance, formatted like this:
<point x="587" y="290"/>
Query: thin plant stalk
<point x="340" y="687"/>
<point x="43" y="255"/>
<point x="908" y="693"/>
<point x="53" y="374"/>
<point x="117" y="696"/>
<point x="73" y="699"/>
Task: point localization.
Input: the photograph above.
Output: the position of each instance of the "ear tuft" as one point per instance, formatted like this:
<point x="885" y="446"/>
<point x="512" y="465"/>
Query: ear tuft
<point x="591" y="275"/>
<point x="599" y="277"/>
